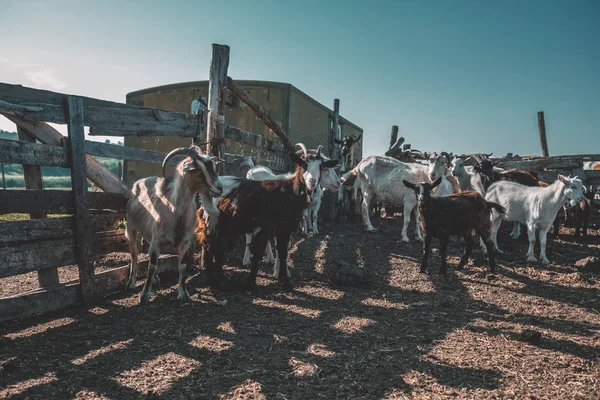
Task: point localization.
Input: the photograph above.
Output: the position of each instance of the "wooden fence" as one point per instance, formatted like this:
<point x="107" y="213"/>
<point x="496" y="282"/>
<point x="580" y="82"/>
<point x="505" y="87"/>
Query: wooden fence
<point x="87" y="228"/>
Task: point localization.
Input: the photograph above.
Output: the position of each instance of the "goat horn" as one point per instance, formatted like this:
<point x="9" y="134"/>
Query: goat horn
<point x="488" y="155"/>
<point x="303" y="147"/>
<point x="180" y="150"/>
<point x="319" y="150"/>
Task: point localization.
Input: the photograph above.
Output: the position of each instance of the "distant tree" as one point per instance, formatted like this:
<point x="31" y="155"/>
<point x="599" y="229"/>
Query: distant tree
<point x="107" y="141"/>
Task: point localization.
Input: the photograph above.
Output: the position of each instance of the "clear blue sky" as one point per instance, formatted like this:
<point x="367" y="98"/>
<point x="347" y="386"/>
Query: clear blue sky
<point x="458" y="75"/>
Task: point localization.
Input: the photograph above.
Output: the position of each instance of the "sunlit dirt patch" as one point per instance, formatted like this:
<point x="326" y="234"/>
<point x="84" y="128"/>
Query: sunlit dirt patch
<point x="158" y="375"/>
<point x="320" y="350"/>
<point x="210" y="343"/>
<point x="302" y="369"/>
<point x="37" y="329"/>
<point x="21" y="387"/>
<point x="103" y="350"/>
<point x="249" y="390"/>
<point x="226" y="327"/>
<point x="321" y="292"/>
<point x="384" y="303"/>
<point x="305" y="312"/>
<point x="352" y="324"/>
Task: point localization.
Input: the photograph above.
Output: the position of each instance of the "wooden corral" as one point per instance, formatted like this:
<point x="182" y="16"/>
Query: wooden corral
<point x="87" y="223"/>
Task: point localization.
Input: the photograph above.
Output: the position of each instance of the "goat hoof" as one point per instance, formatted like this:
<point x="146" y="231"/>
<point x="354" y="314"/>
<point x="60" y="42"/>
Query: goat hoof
<point x="422" y="271"/>
<point x="130" y="288"/>
<point x="371" y="230"/>
<point x="405" y="239"/>
<point x="531" y="259"/>
<point x="183" y="295"/>
<point x="287" y="285"/>
<point x="545" y="261"/>
<point x="144" y="297"/>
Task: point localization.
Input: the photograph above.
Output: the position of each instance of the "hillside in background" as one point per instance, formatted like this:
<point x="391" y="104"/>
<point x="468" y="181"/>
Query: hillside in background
<point x="53" y="177"/>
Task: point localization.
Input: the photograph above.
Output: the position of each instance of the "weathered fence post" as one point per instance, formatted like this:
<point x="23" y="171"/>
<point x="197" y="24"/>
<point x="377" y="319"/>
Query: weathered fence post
<point x="82" y="229"/>
<point x="215" y="133"/>
<point x="542" y="129"/>
<point x="3" y="178"/>
<point x="32" y="175"/>
<point x="335" y="126"/>
<point x="394" y="136"/>
<point x="120" y="169"/>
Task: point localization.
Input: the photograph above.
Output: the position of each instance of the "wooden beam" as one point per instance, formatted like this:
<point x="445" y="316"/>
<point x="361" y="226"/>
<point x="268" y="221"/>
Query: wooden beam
<point x="20" y="232"/>
<point x="20" y="259"/>
<point x="96" y="172"/>
<point x="19" y="94"/>
<point x="33" y="181"/>
<point x="3" y="177"/>
<point x="541" y="163"/>
<point x="103" y="117"/>
<point x="128" y="153"/>
<point x="261" y="113"/>
<point x="39" y="301"/>
<point x="394" y="136"/>
<point x="542" y="129"/>
<point x="258" y="141"/>
<point x="31" y="154"/>
<point x="82" y="228"/>
<point x="55" y="201"/>
<point x="333" y="149"/>
<point x="215" y="133"/>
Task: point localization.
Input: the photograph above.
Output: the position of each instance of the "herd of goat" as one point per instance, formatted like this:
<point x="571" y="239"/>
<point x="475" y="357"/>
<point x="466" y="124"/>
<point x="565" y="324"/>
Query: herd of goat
<point x="447" y="198"/>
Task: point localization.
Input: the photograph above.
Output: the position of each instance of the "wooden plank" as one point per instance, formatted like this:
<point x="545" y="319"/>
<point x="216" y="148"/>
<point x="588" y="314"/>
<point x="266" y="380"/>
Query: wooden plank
<point x="542" y="129"/>
<point x="33" y="181"/>
<point x="128" y="153"/>
<point x="55" y="201"/>
<point x="19" y="94"/>
<point x="394" y="135"/>
<point x="82" y="227"/>
<point x="261" y="113"/>
<point x="215" y="131"/>
<point x="40" y="301"/>
<point x="96" y="172"/>
<point x="103" y="118"/>
<point x="541" y="163"/>
<point x="20" y="259"/>
<point x="258" y="141"/>
<point x="18" y="232"/>
<point x="333" y="134"/>
<point x="20" y="152"/>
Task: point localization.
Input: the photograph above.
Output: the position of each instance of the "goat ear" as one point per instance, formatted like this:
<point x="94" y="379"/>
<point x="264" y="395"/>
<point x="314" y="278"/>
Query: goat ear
<point x="358" y="138"/>
<point x="409" y="185"/>
<point x="331" y="164"/>
<point x="189" y="165"/>
<point x="561" y="178"/>
<point x="338" y="141"/>
<point x="436" y="182"/>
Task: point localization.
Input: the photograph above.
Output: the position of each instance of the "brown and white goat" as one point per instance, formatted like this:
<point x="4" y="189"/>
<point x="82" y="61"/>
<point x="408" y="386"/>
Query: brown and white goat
<point x="454" y="215"/>
<point x="580" y="212"/>
<point x="163" y="212"/>
<point x="265" y="209"/>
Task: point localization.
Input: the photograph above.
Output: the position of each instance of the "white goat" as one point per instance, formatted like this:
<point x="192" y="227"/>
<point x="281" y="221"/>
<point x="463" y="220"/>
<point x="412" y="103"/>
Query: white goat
<point x="163" y="212"/>
<point x="467" y="177"/>
<point x="535" y="207"/>
<point x="380" y="179"/>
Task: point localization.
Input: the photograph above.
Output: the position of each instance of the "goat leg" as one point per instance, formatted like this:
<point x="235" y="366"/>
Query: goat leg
<point x="443" y="247"/>
<point x="183" y="257"/>
<point x="469" y="247"/>
<point x="259" y="242"/>
<point x="283" y="241"/>
<point x="426" y="246"/>
<point x="152" y="267"/>
<point x="134" y="251"/>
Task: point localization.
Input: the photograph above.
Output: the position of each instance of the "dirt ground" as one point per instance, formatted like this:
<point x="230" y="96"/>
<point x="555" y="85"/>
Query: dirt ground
<point x="403" y="335"/>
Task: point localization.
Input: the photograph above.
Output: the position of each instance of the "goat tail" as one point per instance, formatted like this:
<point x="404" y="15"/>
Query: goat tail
<point x="496" y="206"/>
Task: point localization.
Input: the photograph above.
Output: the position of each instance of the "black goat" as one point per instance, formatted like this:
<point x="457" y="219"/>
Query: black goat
<point x="270" y="208"/>
<point x="580" y="213"/>
<point x="455" y="215"/>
